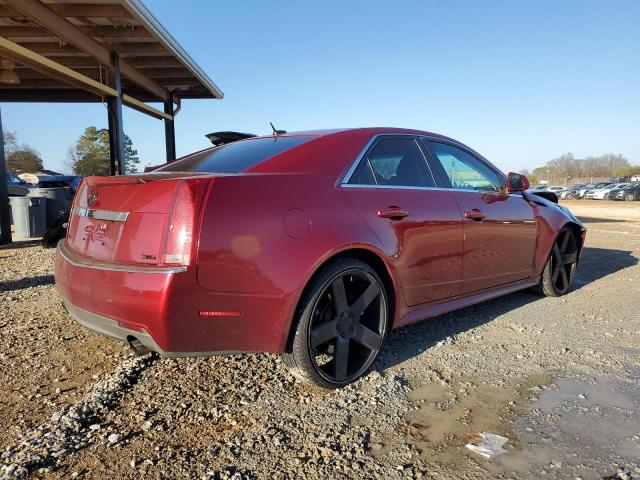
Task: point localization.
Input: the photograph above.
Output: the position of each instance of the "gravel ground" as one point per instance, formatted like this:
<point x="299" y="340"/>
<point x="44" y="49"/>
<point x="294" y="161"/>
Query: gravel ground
<point x="559" y="377"/>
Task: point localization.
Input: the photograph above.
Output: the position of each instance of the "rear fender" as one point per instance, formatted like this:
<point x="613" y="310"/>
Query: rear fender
<point x="343" y="250"/>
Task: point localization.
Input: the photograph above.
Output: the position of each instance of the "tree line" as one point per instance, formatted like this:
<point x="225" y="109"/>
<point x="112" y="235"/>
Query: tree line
<point x="20" y="157"/>
<point x="88" y="156"/>
<point x="567" y="166"/>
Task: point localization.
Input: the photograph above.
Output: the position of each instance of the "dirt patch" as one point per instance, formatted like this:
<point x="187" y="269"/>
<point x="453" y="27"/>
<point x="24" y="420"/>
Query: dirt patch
<point x="436" y="382"/>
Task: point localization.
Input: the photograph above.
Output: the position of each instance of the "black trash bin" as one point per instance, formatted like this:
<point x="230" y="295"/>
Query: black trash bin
<point x="57" y="200"/>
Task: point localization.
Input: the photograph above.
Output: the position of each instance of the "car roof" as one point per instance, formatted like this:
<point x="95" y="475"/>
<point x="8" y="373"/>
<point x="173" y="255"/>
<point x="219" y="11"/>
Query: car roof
<point x="359" y="130"/>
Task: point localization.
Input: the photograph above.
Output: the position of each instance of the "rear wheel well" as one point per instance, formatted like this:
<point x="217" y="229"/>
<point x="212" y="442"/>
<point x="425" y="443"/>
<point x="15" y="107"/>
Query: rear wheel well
<point x="366" y="256"/>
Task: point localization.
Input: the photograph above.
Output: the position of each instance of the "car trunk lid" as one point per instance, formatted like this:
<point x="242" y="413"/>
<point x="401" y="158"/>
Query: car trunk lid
<point x="150" y="219"/>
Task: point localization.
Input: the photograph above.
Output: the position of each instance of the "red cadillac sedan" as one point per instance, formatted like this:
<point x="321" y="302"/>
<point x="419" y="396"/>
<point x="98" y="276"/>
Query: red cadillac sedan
<point x="312" y="244"/>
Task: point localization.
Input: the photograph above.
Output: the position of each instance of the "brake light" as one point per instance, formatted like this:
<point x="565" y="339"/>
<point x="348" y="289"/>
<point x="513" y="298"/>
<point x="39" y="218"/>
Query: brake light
<point x="183" y="222"/>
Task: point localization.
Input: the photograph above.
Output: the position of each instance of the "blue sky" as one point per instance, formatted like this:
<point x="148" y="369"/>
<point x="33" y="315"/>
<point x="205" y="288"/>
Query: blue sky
<point x="519" y="82"/>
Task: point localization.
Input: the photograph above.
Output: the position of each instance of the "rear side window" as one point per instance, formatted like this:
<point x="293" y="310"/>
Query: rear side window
<point x="394" y="161"/>
<point x="234" y="157"/>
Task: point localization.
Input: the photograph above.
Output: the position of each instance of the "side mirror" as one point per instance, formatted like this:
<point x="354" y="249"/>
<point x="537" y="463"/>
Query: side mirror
<point x="516" y="182"/>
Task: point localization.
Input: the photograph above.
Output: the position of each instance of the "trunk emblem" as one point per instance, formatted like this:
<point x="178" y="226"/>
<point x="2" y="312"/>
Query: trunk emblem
<point x="92" y="198"/>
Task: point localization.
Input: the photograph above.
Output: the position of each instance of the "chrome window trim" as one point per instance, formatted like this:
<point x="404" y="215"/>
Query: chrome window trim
<point x="355" y="163"/>
<point x="112" y="267"/>
<point x="108" y="215"/>
<point x="440" y="189"/>
<point x="470" y="151"/>
<point x="363" y="152"/>
<point x="344" y="183"/>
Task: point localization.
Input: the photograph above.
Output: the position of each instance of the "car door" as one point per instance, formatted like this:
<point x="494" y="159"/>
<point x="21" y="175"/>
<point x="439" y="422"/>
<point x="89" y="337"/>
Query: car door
<point x="393" y="189"/>
<point x="499" y="228"/>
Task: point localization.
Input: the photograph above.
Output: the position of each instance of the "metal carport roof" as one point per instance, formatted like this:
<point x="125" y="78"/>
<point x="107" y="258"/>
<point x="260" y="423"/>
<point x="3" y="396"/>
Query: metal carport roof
<point x="114" y="51"/>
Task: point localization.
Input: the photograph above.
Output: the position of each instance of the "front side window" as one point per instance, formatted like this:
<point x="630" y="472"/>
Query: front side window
<point x="394" y="162"/>
<point x="464" y="171"/>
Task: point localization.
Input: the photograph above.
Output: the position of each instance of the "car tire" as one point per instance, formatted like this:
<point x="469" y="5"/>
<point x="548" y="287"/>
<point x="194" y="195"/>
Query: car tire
<point x="340" y="325"/>
<point x="629" y="197"/>
<point x="560" y="269"/>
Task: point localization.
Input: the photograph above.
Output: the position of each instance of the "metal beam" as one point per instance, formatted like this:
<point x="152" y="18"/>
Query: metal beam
<point x="58" y="95"/>
<point x="25" y="56"/>
<point x="99" y="31"/>
<point x="59" y="26"/>
<point x="169" y="130"/>
<point x="144" y="108"/>
<point x="5" y="220"/>
<point x="116" y="132"/>
<point x="75" y="10"/>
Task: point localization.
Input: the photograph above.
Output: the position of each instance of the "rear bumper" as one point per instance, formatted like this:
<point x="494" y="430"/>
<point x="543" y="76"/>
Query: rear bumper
<point x="160" y="307"/>
<point x="110" y="328"/>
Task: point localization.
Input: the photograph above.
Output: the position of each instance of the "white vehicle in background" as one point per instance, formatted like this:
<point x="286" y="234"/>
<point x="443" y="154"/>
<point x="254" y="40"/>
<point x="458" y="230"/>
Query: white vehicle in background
<point x="635" y="178"/>
<point x="603" y="193"/>
<point x="591" y="186"/>
<point x="547" y="188"/>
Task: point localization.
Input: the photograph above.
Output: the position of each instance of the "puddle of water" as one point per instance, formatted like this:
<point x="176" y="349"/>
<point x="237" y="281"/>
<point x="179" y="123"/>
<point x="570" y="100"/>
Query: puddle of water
<point x="450" y="415"/>
<point x="578" y="428"/>
<point x="560" y="429"/>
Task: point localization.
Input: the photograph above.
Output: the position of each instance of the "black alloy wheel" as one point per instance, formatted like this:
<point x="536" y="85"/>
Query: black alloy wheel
<point x="342" y="326"/>
<point x="564" y="259"/>
<point x="560" y="270"/>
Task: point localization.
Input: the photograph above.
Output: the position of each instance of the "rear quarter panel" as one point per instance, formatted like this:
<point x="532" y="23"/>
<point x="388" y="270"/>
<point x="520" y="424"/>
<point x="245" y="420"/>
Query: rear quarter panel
<point x="264" y="235"/>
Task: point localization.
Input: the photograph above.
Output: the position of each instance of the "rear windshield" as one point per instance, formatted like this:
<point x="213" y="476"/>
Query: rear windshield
<point x="234" y="157"/>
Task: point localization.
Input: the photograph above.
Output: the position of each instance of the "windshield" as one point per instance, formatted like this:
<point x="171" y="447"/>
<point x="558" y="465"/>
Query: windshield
<point x="234" y="157"/>
<point x="13" y="178"/>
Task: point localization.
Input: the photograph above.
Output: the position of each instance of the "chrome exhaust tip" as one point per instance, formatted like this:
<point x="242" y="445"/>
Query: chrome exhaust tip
<point x="137" y="347"/>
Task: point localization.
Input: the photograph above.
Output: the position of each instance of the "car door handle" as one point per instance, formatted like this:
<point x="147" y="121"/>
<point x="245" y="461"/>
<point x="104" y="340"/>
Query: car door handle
<point x="475" y="214"/>
<point x="393" y="212"/>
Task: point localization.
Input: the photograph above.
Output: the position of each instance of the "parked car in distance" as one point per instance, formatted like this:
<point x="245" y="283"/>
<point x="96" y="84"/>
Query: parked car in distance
<point x="68" y="181"/>
<point x="629" y="193"/>
<point x="591" y="186"/>
<point x="603" y="193"/>
<point x="311" y="244"/>
<point x="555" y="188"/>
<point x="569" y="192"/>
<point x="16" y="186"/>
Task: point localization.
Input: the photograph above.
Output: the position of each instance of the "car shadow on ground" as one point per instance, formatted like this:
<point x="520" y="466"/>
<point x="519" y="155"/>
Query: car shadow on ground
<point x="412" y="340"/>
<point x="596" y="263"/>
<point x="27" y="282"/>
<point x="600" y="220"/>
<point x="22" y="244"/>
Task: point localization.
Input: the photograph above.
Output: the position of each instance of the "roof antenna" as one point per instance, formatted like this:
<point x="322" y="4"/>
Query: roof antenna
<point x="276" y="132"/>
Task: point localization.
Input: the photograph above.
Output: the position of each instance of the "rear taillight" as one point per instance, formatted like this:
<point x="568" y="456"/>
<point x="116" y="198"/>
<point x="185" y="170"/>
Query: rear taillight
<point x="183" y="222"/>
